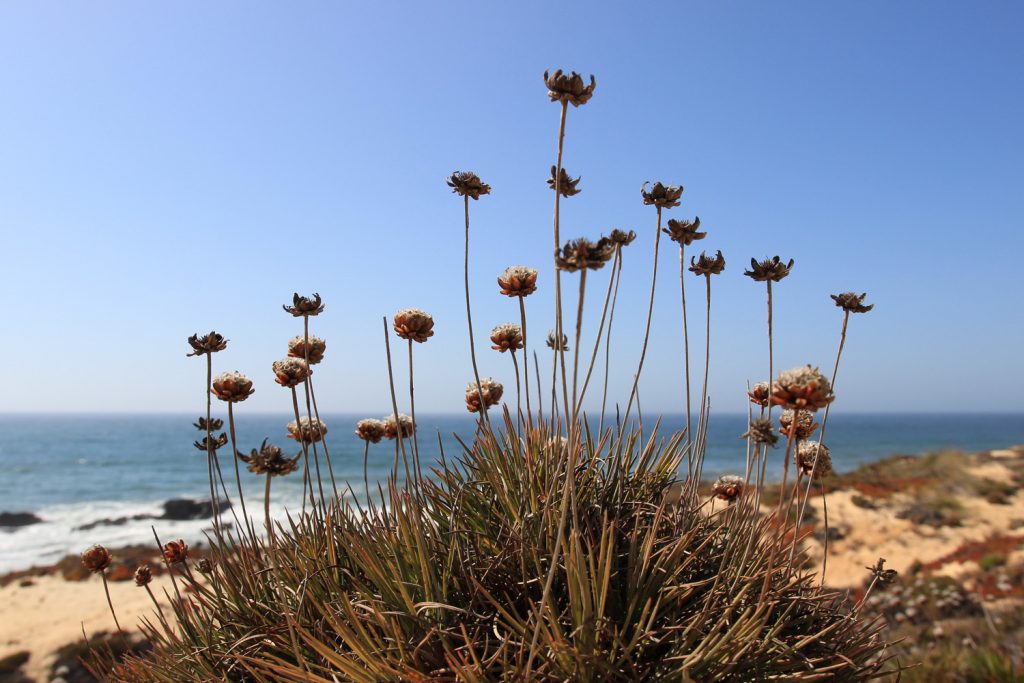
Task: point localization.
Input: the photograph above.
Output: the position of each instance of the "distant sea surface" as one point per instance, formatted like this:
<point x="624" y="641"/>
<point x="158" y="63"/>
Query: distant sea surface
<point x="71" y="470"/>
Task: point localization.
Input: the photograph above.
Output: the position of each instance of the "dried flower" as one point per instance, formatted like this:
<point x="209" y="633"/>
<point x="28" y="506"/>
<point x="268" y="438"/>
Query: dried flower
<point x="208" y="343"/>
<point x="370" y="430"/>
<point x="507" y="337"/>
<point x="728" y="487"/>
<point x="467" y="184"/>
<point x="661" y="196"/>
<point x="880" y="573"/>
<point x="304" y="305"/>
<point x="518" y="281"/>
<point x="297" y="348"/>
<point x="812" y="456"/>
<point x="685" y="232"/>
<point x="232" y="386"/>
<point x="566" y="186"/>
<point x="802" y="388"/>
<point x="851" y="302"/>
<point x="175" y="552"/>
<point x="270" y="459"/>
<point x="204" y="565"/>
<point x="212" y="425"/>
<point x="805" y="424"/>
<point x="489" y="388"/>
<point x="569" y="87"/>
<point x="391" y="424"/>
<point x="582" y="253"/>
<point x="96" y="558"/>
<point x="707" y="265"/>
<point x="215" y="443"/>
<point x="414" y="324"/>
<point x="761" y="432"/>
<point x="290" y="372"/>
<point x="555" y="344"/>
<point x="143" y="575"/>
<point x="307" y="430"/>
<point x="621" y="238"/>
<point x="770" y="269"/>
<point x="759" y="394"/>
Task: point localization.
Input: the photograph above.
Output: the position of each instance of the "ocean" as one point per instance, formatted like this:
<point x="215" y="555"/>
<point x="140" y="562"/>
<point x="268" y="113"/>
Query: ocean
<point x="72" y="470"/>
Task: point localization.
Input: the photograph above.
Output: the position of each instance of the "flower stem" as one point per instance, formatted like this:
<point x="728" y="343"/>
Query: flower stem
<point x="576" y="350"/>
<point x="650" y="314"/>
<point x="469" y="320"/>
<point x="526" y="368"/>
<point x="608" y="339"/>
<point x="110" y="603"/>
<point x="234" y="454"/>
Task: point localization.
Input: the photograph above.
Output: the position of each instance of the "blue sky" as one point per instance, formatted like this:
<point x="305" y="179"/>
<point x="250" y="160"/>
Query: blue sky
<point x="176" y="168"/>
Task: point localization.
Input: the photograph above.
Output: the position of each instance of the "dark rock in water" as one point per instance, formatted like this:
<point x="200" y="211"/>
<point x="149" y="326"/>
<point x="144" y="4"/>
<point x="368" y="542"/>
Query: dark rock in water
<point x="186" y="508"/>
<point x="113" y="521"/>
<point x="13" y="519"/>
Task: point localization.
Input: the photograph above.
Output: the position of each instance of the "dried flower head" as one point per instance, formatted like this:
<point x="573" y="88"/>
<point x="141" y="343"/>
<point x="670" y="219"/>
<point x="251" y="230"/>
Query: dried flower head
<point x="518" y="281"/>
<point x="728" y="487"/>
<point x="566" y="186"/>
<point x="569" y="87"/>
<point x="270" y="459"/>
<point x="851" y="302"/>
<point x="813" y="457"/>
<point x="557" y="344"/>
<point x="143" y="575"/>
<point x="490" y="390"/>
<point x="304" y="305"/>
<point x="307" y="430"/>
<point x="298" y="348"/>
<point x="232" y="386"/>
<point x="582" y="253"/>
<point x="772" y="269"/>
<point x="468" y="184"/>
<point x="761" y="432"/>
<point x="661" y="196"/>
<point x="208" y="343"/>
<point x="880" y="573"/>
<point x="759" y="394"/>
<point x="805" y="424"/>
<point x="803" y="388"/>
<point x="175" y="552"/>
<point x="685" y="231"/>
<point x="621" y="238"/>
<point x="507" y="337"/>
<point x="214" y="443"/>
<point x="391" y="425"/>
<point x="414" y="324"/>
<point x="370" y="430"/>
<point x="96" y="558"/>
<point x="202" y="424"/>
<point x="204" y="565"/>
<point x="290" y="372"/>
<point x="707" y="265"/>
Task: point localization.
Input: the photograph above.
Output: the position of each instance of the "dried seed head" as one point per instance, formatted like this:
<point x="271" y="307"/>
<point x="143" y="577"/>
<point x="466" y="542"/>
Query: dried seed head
<point x="770" y="269"/>
<point x="518" y="281"/>
<point x="879" y="572"/>
<point x="270" y="459"/>
<point x="813" y="457"/>
<point x="208" y="343"/>
<point x="143" y="575"/>
<point x="307" y="430"/>
<point x="370" y="430"/>
<point x="728" y="487"/>
<point x="622" y="238"/>
<point x="297" y="348"/>
<point x="304" y="305"/>
<point x="759" y="394"/>
<point x="851" y="302"/>
<point x="556" y="344"/>
<point x="569" y="87"/>
<point x="96" y="558"/>
<point x="802" y="388"/>
<point x="391" y="426"/>
<point x="204" y="565"/>
<point x="507" y="337"/>
<point x="414" y="324"/>
<point x="468" y="184"/>
<point x="290" y="372"/>
<point x="582" y="253"/>
<point x="661" y="196"/>
<point x="685" y="232"/>
<point x="805" y="424"/>
<point x="489" y="388"/>
<point x="175" y="552"/>
<point x="212" y="425"/>
<point x="214" y="443"/>
<point x="566" y="186"/>
<point x="707" y="265"/>
<point x="761" y="432"/>
<point x="232" y="386"/>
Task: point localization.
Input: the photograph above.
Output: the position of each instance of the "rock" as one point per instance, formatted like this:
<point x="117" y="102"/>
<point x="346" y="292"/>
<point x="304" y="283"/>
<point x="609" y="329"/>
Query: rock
<point x="186" y="508"/>
<point x="16" y="519"/>
<point x="113" y="521"/>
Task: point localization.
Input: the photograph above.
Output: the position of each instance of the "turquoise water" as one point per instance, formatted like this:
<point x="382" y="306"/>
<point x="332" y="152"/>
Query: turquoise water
<point x="75" y="469"/>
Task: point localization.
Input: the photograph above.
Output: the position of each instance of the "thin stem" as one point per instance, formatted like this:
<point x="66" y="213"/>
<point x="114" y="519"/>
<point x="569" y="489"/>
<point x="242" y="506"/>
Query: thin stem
<point x="608" y="339"/>
<point x="702" y="420"/>
<point x="394" y="400"/>
<point x="540" y="392"/>
<point x="412" y="410"/>
<point x="306" y="480"/>
<point x="600" y="327"/>
<point x="469" y="321"/>
<point x="110" y="603"/>
<point x="576" y="350"/>
<point x="650" y="314"/>
<point x="234" y="457"/>
<point x="686" y="340"/>
<point x="519" y="397"/>
<point x="526" y="352"/>
<point x="309" y="413"/>
<point x="266" y="512"/>
<point x="366" y="476"/>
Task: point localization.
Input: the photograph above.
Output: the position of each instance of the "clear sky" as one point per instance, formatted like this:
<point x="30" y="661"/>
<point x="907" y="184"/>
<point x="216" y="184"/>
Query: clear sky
<point x="167" y="168"/>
